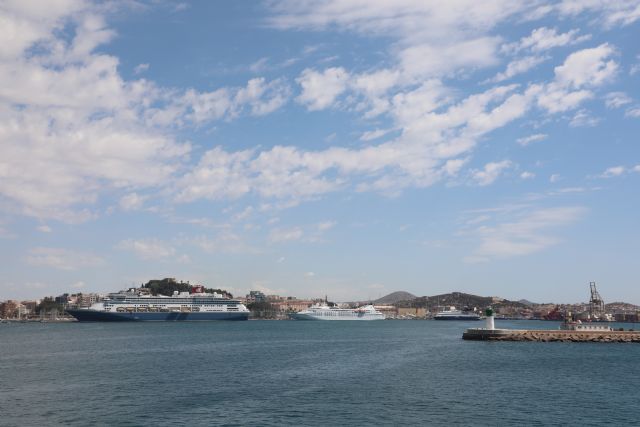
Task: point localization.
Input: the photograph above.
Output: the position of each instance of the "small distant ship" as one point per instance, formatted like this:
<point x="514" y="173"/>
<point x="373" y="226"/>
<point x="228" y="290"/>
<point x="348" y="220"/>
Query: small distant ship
<point x="324" y="312"/>
<point x="577" y="325"/>
<point x="452" y="314"/>
<point x="181" y="306"/>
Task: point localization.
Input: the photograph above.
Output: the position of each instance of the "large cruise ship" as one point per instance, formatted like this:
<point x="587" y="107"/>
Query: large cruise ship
<point x="324" y="312"/>
<point x="453" y="314"/>
<point x="132" y="306"/>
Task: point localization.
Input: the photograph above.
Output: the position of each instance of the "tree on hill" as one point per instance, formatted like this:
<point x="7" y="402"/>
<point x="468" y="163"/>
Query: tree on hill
<point x="49" y="305"/>
<point x="169" y="285"/>
<point x="262" y="310"/>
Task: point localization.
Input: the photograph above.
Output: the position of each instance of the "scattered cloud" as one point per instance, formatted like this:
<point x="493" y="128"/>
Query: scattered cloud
<point x="617" y="99"/>
<point x="289" y="234"/>
<point x="320" y="89"/>
<point x="633" y="112"/>
<point x="532" y="138"/>
<point x="582" y="118"/>
<point x="78" y="285"/>
<point x="526" y="233"/>
<point x="132" y="202"/>
<point x="581" y="71"/>
<point x="613" y="171"/>
<point x="491" y="172"/>
<point x="374" y="134"/>
<point x="147" y="249"/>
<point x="140" y="68"/>
<point x="544" y="38"/>
<point x="518" y="66"/>
<point x="62" y="259"/>
<point x="527" y="175"/>
<point x="44" y="228"/>
<point x="327" y="225"/>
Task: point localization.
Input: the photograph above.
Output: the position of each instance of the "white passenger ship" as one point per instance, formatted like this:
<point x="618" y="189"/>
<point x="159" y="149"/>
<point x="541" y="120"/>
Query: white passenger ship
<point x="132" y="306"/>
<point x="324" y="312"/>
<point x="452" y="314"/>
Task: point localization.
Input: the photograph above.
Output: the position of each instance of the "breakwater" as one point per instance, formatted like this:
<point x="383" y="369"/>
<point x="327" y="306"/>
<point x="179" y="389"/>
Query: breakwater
<point x="551" y="335"/>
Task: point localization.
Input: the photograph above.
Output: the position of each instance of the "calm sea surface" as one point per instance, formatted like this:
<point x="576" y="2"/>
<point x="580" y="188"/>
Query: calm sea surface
<point x="308" y="373"/>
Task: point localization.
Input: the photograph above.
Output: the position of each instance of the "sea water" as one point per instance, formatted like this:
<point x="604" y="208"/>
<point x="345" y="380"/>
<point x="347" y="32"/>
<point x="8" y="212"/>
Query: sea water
<point x="308" y="373"/>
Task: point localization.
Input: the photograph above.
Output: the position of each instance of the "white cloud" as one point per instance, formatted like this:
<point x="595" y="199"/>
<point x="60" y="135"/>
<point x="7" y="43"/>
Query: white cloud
<point x="581" y="71"/>
<point x="531" y="138"/>
<point x="617" y="99"/>
<point x="518" y="66"/>
<point x="610" y="13"/>
<point x="320" y="89"/>
<point x="432" y="146"/>
<point x="112" y="137"/>
<point x="636" y="168"/>
<point x="258" y="97"/>
<point x="582" y="118"/>
<point x="613" y="172"/>
<point x="147" y="249"/>
<point x="554" y="178"/>
<point x="140" y="68"/>
<point x="428" y="60"/>
<point x="527" y="175"/>
<point x="524" y="234"/>
<point x="587" y="67"/>
<point x="74" y="130"/>
<point x="633" y="112"/>
<point x="62" y="259"/>
<point x="374" y="134"/>
<point x="132" y="202"/>
<point x="285" y="234"/>
<point x="544" y="38"/>
<point x="326" y="225"/>
<point x="44" y="228"/>
<point x="491" y="172"/>
<point x="224" y="242"/>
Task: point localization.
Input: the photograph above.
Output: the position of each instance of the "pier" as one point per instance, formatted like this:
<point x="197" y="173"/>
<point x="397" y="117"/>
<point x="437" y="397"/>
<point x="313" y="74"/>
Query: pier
<point x="549" y="335"/>
<point x="570" y="332"/>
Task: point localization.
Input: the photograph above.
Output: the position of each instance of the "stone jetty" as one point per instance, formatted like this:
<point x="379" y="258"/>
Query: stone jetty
<point x="547" y="335"/>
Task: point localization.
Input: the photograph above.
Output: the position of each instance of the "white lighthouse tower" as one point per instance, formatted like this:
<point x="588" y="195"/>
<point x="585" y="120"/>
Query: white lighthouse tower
<point x="489" y="319"/>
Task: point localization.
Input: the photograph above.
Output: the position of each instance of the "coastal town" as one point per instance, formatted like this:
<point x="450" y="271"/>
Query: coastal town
<point x="397" y="305"/>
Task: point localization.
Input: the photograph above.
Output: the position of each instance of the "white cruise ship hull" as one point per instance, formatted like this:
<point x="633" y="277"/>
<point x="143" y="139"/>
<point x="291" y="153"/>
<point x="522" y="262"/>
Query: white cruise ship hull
<point x="87" y="315"/>
<point x="354" y="316"/>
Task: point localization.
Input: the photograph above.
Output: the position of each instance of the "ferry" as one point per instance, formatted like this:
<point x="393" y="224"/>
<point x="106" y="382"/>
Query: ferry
<point x="324" y="312"/>
<point x="570" y="325"/>
<point x="181" y="306"/>
<point x="452" y="314"/>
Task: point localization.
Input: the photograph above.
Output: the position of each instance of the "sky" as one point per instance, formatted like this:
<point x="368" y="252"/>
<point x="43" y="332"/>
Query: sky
<point x="346" y="148"/>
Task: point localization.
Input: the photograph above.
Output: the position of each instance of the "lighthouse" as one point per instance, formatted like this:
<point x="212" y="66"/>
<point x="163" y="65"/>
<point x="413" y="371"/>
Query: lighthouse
<point x="490" y="324"/>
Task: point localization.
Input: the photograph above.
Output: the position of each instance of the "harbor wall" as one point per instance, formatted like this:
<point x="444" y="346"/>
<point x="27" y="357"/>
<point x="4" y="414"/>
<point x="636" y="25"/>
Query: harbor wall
<point x="551" y="335"/>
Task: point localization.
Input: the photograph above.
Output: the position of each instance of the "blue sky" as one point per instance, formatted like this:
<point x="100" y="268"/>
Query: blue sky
<point x="346" y="148"/>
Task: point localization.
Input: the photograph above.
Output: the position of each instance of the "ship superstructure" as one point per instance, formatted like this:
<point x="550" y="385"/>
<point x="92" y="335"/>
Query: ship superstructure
<point x="133" y="306"/>
<point x="452" y="314"/>
<point x="325" y="312"/>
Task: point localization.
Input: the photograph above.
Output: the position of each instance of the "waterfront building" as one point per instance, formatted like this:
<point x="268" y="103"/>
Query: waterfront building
<point x="256" y="296"/>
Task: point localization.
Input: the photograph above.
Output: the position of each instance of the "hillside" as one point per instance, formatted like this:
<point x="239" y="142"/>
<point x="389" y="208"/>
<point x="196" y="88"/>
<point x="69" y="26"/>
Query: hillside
<point x="457" y="299"/>
<point x="394" y="297"/>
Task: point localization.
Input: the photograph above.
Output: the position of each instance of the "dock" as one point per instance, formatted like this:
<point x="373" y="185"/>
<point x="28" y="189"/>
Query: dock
<point x="550" y="335"/>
